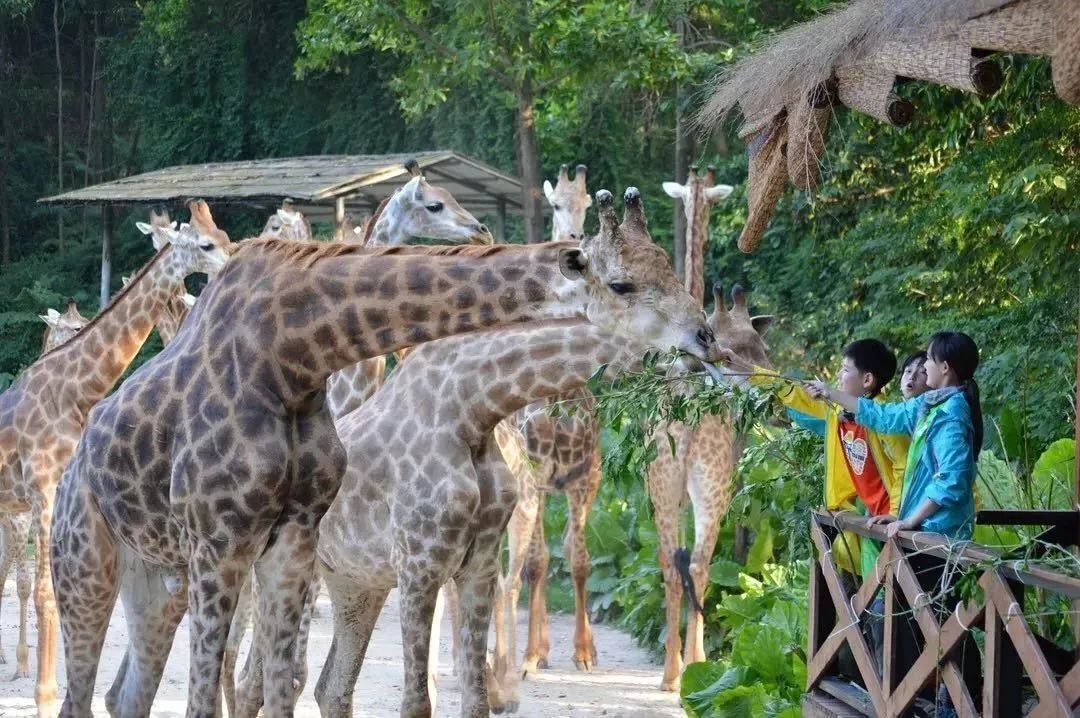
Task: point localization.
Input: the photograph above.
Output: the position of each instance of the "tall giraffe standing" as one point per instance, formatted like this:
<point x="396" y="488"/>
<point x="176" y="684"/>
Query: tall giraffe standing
<point x="15" y="528"/>
<point x="229" y="459"/>
<point x="417" y="209"/>
<point x="43" y="413"/>
<point x="704" y="459"/>
<point x="427" y="494"/>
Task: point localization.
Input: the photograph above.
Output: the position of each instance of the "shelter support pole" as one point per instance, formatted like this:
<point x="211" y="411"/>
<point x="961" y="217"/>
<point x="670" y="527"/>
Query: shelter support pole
<point x="339" y="219"/>
<point x="1076" y="476"/>
<point x="500" y="221"/>
<point x="106" y="254"/>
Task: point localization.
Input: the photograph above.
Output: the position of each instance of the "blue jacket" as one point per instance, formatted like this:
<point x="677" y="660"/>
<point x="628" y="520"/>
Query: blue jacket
<point x="945" y="470"/>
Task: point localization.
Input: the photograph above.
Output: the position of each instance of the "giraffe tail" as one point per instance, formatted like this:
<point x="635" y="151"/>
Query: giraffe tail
<point x="682" y="566"/>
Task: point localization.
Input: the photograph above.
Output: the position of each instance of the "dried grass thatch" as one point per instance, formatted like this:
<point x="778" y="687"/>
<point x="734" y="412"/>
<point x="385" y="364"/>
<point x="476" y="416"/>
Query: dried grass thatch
<point x="795" y="62"/>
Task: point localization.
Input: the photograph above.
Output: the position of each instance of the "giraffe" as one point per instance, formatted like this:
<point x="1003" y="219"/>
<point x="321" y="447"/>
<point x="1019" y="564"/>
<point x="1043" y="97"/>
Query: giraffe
<point x="228" y="458"/>
<point x="43" y="413"/>
<point x="287" y="223"/>
<point x="417" y="209"/>
<point x="704" y="459"/>
<point x="427" y="493"/>
<point x="15" y="528"/>
<point x="563" y="453"/>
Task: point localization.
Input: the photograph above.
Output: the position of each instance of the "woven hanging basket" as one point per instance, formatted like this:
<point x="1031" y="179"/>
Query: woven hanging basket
<point x="1065" y="65"/>
<point x="807" y="127"/>
<point x="765" y="180"/>
<point x="941" y="60"/>
<point x="1025" y="27"/>
<point x="868" y="89"/>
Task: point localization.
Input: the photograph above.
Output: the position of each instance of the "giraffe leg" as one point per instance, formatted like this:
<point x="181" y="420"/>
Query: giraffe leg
<point x="419" y="593"/>
<point x="24" y="586"/>
<point x="300" y="667"/>
<point x="580" y="496"/>
<point x="355" y="612"/>
<point x="85" y="570"/>
<point x="283" y="574"/>
<point x="45" y="605"/>
<point x="518" y="531"/>
<point x="666" y="491"/>
<point x="214" y="583"/>
<point x="436" y="634"/>
<point x="476" y="584"/>
<point x="237" y="629"/>
<point x="7" y="557"/>
<point x="709" y="489"/>
<point x="153" y="612"/>
<point x="538" y="646"/>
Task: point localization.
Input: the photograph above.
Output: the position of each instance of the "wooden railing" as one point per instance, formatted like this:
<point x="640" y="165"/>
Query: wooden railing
<point x="1013" y="654"/>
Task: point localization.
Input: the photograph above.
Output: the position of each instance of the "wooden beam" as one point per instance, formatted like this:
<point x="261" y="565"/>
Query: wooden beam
<point x="106" y="255"/>
<point x="474" y="186"/>
<point x="339" y="219"/>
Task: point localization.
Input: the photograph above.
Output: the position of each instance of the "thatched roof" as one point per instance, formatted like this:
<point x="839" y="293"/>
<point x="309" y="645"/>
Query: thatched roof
<point x="313" y="183"/>
<point x="854" y="56"/>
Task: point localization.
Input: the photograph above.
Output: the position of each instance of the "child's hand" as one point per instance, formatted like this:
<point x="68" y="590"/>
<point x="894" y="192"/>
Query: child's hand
<point x="817" y="389"/>
<point x="896" y="527"/>
<point x="883" y="519"/>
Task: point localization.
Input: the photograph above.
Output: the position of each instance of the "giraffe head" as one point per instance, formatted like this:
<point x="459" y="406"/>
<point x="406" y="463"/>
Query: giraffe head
<point x="570" y="200"/>
<point x="61" y="327"/>
<point x="192" y="251"/>
<point x="736" y="330"/>
<point x="699" y="193"/>
<point x="632" y="287"/>
<point x="421" y="210"/>
<point x="287" y="223"/>
<point x="204" y="224"/>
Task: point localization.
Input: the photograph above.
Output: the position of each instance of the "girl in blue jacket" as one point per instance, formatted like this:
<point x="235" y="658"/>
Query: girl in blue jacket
<point x="945" y="425"/>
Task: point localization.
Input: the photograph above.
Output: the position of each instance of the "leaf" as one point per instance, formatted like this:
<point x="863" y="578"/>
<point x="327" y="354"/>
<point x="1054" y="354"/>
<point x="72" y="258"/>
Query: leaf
<point x="1059" y="182"/>
<point x="702" y="682"/>
<point x="1054" y="476"/>
<point x="765" y="650"/>
<point x="761" y="552"/>
<point x="724" y="573"/>
<point x="789" y="619"/>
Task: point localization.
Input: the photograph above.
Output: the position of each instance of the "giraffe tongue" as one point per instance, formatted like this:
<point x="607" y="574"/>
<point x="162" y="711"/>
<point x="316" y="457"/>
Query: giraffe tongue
<point x="716" y="373"/>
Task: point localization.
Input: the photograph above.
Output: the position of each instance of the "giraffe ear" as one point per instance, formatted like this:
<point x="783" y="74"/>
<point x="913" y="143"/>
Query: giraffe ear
<point x="573" y="263"/>
<point x="145" y="228"/>
<point x="674" y="190"/>
<point x="762" y="322"/>
<point x="719" y="191"/>
<point x="549" y="191"/>
<point x="50" y="317"/>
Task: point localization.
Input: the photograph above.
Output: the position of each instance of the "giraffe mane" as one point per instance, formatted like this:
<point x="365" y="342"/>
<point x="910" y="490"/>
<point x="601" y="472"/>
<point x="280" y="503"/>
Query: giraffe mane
<point x="306" y="253"/>
<point x="124" y="290"/>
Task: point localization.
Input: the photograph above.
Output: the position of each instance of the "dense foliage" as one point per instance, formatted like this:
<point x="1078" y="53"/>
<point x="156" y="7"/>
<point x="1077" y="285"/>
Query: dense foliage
<point x="968" y="218"/>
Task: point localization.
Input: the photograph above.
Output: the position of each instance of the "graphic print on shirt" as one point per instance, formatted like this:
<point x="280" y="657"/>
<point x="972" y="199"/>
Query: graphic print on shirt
<point x="863" y="469"/>
<point x="857" y="451"/>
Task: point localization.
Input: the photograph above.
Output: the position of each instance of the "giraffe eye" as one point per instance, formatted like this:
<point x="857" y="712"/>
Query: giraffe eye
<point x="435" y="207"/>
<point x="556" y="207"/>
<point x="206" y="246"/>
<point x="622" y="287"/>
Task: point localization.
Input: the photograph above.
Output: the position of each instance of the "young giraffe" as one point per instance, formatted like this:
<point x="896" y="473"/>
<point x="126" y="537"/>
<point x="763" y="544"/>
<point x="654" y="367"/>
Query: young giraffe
<point x="15" y="528"/>
<point x="228" y="457"/>
<point x="287" y="223"/>
<point x="705" y="458"/>
<point x="417" y="209"/>
<point x="43" y="412"/>
<point x="427" y="493"/>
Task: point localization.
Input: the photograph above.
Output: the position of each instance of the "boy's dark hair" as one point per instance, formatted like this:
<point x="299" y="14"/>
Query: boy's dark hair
<point x="913" y="358"/>
<point x="870" y="355"/>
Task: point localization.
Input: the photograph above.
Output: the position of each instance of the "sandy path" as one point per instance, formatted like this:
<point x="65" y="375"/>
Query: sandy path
<point x="624" y="686"/>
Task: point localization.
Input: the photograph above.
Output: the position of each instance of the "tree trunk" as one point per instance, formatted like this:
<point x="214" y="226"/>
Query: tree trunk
<point x="5" y="159"/>
<point x="59" y="123"/>
<point x="529" y="163"/>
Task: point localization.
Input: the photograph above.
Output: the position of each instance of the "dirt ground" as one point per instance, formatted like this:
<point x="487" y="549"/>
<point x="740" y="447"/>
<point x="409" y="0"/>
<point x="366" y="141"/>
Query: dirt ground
<point x="625" y="685"/>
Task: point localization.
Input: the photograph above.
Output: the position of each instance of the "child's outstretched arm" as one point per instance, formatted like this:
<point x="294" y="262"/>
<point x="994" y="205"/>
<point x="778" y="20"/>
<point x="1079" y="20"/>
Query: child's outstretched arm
<point x="804" y="409"/>
<point x="879" y="417"/>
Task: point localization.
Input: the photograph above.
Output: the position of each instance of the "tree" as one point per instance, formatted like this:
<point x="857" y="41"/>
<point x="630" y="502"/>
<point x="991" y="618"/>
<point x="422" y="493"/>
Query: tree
<point x="524" y="51"/>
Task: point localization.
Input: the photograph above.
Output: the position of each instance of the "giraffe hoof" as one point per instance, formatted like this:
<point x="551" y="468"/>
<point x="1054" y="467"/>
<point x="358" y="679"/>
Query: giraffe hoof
<point x="20" y="674"/>
<point x="543" y="664"/>
<point x="497" y="710"/>
<point x="585" y="664"/>
<point x="670" y="686"/>
<point x="511" y="707"/>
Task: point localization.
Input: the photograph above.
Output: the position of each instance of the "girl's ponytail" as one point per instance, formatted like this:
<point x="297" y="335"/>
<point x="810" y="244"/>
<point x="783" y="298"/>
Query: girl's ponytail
<point x="960" y="351"/>
<point x="971" y="393"/>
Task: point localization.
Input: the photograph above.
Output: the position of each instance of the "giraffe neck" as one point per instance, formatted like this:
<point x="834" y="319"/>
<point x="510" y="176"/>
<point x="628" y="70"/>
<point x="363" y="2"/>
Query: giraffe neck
<point x="697" y="230"/>
<point x="96" y="357"/>
<point x="500" y="371"/>
<point x="312" y="309"/>
<point x="172" y="316"/>
<point x="389" y="229"/>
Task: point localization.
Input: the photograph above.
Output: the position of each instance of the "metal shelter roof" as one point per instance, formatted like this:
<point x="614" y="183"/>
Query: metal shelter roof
<point x="313" y="183"/>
